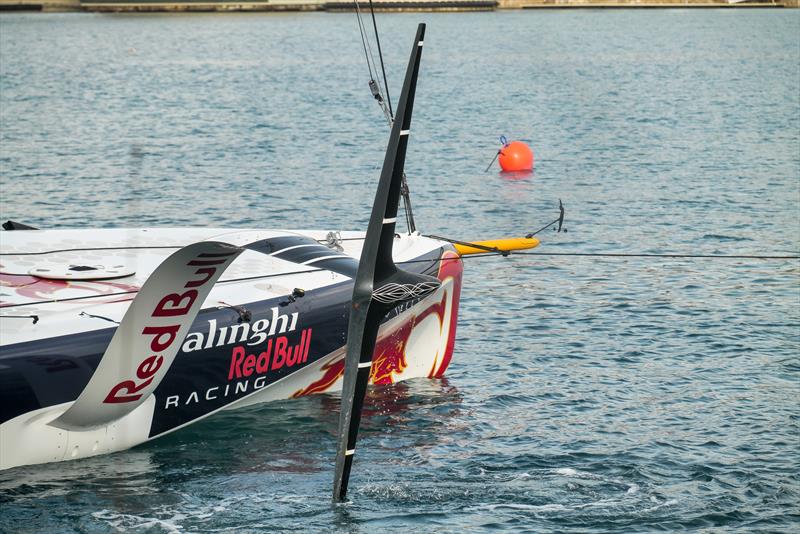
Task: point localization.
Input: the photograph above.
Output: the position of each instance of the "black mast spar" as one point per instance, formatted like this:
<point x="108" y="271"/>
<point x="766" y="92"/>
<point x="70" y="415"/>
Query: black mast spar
<point x="380" y="285"/>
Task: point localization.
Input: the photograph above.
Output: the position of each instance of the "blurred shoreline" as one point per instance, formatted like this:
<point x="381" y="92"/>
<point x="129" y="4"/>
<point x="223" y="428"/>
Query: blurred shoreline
<point x="143" y="6"/>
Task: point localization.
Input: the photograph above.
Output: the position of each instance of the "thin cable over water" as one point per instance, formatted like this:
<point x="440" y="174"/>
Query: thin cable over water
<point x="647" y="255"/>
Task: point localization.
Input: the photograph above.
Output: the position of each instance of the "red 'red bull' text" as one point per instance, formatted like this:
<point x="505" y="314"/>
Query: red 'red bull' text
<point x="277" y="355"/>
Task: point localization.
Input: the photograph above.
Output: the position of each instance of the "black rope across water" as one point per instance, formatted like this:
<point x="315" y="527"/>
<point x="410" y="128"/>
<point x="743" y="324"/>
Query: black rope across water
<point x="643" y="255"/>
<point x="491" y="251"/>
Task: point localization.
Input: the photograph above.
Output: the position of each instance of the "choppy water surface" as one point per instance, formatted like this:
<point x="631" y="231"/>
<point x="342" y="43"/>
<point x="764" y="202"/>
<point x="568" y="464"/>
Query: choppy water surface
<point x="586" y="395"/>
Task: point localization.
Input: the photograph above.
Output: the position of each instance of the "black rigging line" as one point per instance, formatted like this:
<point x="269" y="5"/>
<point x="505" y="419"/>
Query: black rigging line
<point x="362" y="30"/>
<point x="377" y="92"/>
<point x="88" y="249"/>
<point x="380" y="55"/>
<point x="374" y="86"/>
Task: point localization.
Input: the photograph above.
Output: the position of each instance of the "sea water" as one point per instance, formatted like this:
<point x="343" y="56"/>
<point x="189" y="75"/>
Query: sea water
<point x="585" y="394"/>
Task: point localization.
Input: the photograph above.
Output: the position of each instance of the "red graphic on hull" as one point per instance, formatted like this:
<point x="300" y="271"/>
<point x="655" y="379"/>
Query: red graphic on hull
<point x="332" y="371"/>
<point x="450" y="267"/>
<point x="389" y="358"/>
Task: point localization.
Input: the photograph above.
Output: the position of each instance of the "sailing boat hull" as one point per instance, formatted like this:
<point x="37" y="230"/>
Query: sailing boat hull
<point x="256" y="339"/>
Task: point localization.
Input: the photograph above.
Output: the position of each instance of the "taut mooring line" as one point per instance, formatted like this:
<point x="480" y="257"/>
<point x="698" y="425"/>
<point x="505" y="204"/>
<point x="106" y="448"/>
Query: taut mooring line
<point x="644" y="255"/>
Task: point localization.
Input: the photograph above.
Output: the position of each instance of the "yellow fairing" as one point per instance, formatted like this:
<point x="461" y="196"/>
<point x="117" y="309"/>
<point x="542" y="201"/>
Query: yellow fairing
<point x="505" y="244"/>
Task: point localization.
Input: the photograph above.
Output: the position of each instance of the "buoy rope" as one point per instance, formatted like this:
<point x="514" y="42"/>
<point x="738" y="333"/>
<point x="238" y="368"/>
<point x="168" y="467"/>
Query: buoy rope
<point x="492" y="162"/>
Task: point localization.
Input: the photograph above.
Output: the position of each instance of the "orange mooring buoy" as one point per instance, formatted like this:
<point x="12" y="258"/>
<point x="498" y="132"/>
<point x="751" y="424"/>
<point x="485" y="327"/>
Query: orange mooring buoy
<point x="516" y="156"/>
